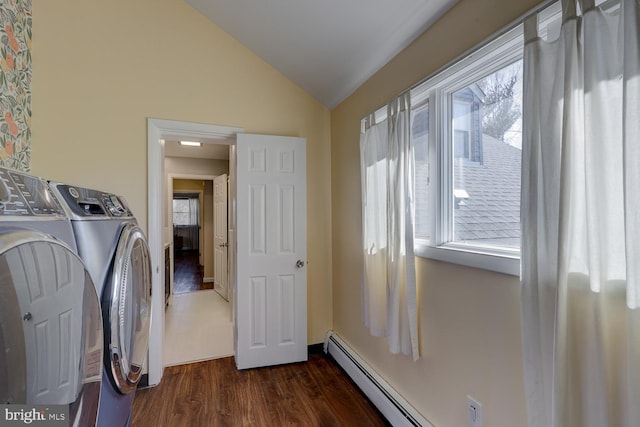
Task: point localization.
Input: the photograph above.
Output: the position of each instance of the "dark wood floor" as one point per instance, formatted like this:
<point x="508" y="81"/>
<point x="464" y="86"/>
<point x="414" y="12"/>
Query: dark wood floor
<point x="215" y="393"/>
<point x="187" y="273"/>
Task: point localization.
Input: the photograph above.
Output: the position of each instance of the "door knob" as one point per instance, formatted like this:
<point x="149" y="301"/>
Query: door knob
<point x="299" y="263"/>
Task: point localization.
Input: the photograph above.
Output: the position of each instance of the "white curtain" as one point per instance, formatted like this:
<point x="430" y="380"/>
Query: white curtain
<point x="389" y="294"/>
<point x="194" y="222"/>
<point x="373" y="170"/>
<point x="194" y="210"/>
<point x="581" y="220"/>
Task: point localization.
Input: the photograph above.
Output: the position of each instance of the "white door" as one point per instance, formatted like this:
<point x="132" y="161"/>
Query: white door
<point x="271" y="288"/>
<point x="220" y="241"/>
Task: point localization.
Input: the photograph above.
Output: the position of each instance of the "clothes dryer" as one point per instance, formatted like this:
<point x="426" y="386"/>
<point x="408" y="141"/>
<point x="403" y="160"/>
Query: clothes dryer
<point x="51" y="341"/>
<point x="116" y="253"/>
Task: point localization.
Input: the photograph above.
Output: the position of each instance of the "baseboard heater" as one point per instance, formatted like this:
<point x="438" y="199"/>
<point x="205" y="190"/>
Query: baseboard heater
<point x="393" y="406"/>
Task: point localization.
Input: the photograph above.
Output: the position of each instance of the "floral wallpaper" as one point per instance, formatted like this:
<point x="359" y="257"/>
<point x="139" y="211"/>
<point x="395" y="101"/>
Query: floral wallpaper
<point x="15" y="83"/>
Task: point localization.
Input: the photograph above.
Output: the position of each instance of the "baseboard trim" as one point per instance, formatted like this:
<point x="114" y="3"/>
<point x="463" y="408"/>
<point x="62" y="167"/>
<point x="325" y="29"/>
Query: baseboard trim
<point x="388" y="401"/>
<point x="315" y="349"/>
<point x="144" y="381"/>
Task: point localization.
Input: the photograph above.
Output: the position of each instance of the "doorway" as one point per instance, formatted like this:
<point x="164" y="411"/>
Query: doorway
<point x="158" y="132"/>
<point x="267" y="204"/>
<point x="191" y="214"/>
<point x="198" y="322"/>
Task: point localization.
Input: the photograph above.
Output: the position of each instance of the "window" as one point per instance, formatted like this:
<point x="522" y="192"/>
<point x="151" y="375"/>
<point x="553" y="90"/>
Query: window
<point x="467" y="139"/>
<point x="466" y="132"/>
<point x="487" y="148"/>
<point x="186" y="221"/>
<point x="186" y="210"/>
<point x="181" y="215"/>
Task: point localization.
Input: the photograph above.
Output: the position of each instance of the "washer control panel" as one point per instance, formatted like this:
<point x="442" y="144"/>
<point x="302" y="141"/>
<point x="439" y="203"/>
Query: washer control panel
<point x="85" y="202"/>
<point x="26" y="195"/>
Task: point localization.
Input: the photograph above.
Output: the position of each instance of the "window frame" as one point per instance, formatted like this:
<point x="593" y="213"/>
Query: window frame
<point x="438" y="91"/>
<point x="415" y="106"/>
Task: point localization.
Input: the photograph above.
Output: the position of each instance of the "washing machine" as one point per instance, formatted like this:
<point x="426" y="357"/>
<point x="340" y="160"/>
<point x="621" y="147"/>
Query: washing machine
<point x="51" y="336"/>
<point x="116" y="253"/>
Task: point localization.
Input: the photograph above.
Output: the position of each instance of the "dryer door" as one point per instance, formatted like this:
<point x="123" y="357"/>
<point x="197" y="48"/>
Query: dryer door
<point x="51" y="343"/>
<point x="127" y="300"/>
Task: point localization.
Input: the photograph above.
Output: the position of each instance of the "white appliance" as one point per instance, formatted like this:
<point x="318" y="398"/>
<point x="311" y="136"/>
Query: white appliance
<point x="51" y="337"/>
<point x="116" y="253"/>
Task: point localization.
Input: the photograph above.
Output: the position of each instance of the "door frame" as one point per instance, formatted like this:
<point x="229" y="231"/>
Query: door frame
<point x="158" y="131"/>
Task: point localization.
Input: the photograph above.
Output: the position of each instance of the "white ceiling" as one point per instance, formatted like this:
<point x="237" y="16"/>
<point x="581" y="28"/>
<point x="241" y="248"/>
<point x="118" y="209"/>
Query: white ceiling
<point x="327" y="47"/>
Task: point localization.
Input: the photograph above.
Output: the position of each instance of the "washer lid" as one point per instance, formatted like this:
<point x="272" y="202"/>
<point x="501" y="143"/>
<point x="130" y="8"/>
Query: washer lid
<point x="127" y="303"/>
<point x="51" y="342"/>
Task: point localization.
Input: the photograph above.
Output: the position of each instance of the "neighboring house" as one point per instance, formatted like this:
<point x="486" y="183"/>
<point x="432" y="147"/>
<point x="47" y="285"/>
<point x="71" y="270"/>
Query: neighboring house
<point x="487" y="176"/>
<point x="467" y="123"/>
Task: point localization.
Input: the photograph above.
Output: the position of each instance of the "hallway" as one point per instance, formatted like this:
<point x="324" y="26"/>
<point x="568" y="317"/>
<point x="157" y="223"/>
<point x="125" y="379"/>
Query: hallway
<point x="197" y="327"/>
<point x="187" y="273"/>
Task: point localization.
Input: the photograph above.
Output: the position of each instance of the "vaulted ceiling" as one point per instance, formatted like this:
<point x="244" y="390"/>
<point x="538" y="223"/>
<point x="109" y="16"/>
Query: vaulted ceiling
<point x="327" y="47"/>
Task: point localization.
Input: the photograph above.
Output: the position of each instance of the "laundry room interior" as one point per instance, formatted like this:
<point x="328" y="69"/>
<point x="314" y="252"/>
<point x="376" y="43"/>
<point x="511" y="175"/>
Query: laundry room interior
<point x="287" y="299"/>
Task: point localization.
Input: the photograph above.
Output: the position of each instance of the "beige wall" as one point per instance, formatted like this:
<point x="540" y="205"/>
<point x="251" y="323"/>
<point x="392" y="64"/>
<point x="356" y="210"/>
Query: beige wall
<point x="188" y="185"/>
<point x="189" y="166"/>
<point x="469" y="319"/>
<point x="100" y="69"/>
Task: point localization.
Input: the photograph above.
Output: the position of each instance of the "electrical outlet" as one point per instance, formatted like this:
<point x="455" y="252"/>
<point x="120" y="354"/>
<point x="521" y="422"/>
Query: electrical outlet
<point x="474" y="412"/>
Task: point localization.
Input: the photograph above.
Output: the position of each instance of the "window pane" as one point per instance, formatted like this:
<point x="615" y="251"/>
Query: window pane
<point x="420" y="136"/>
<point x="487" y="150"/>
<point x="181" y="214"/>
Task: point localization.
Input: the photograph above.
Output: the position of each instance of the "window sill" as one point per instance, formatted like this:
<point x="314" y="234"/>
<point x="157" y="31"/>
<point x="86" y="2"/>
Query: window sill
<point x="499" y="263"/>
